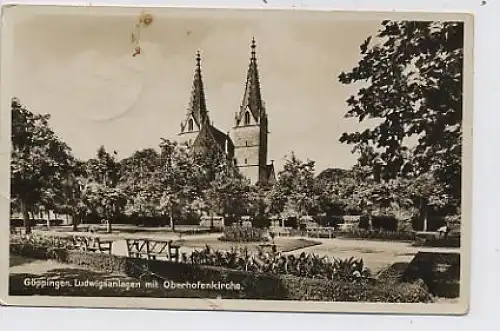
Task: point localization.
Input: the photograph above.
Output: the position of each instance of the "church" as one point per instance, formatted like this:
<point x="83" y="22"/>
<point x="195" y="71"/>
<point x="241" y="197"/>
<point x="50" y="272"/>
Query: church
<point x="245" y="144"/>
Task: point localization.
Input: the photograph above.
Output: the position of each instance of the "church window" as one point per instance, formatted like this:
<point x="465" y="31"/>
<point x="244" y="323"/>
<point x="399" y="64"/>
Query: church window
<point x="235" y="162"/>
<point x="246" y="161"/>
<point x="190" y="124"/>
<point x="247" y="118"/>
<point x="246" y="143"/>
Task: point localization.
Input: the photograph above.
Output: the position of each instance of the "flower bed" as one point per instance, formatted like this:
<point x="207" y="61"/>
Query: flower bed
<point x="305" y="266"/>
<point x="236" y="233"/>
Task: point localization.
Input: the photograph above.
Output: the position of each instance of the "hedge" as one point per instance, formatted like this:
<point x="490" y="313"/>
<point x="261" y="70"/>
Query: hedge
<point x="19" y="222"/>
<point x="405" y="236"/>
<point x="253" y="285"/>
<point x="439" y="271"/>
<point x="439" y="242"/>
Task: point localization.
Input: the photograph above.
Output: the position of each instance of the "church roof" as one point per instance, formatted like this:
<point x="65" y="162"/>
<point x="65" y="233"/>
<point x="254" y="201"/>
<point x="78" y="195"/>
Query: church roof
<point x="252" y="98"/>
<point x="210" y="136"/>
<point x="197" y="105"/>
<point x="269" y="176"/>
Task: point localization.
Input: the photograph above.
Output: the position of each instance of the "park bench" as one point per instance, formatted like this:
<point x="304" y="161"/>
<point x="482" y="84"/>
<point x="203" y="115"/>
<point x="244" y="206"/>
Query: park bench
<point x="17" y="230"/>
<point x="152" y="249"/>
<point x="321" y="232"/>
<point x="93" y="244"/>
<point x="282" y="231"/>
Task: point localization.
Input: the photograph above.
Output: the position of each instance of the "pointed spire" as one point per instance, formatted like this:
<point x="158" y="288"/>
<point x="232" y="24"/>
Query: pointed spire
<point x="197" y="105"/>
<point x="252" y="98"/>
<point x="198" y="62"/>
<point x="253" y="49"/>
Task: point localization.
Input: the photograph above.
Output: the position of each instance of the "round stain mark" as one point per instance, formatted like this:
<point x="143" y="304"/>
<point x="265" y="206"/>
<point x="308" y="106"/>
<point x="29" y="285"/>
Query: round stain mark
<point x="115" y="89"/>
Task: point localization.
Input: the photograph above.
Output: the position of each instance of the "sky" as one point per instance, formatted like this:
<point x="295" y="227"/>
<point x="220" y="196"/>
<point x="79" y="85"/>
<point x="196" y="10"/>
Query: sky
<point x="80" y="70"/>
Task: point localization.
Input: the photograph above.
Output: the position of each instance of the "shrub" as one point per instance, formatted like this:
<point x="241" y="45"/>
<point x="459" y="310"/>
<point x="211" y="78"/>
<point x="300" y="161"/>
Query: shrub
<point x="439" y="242"/>
<point x="377" y="235"/>
<point x="37" y="251"/>
<point x="236" y="233"/>
<point x="433" y="223"/>
<point x="335" y="221"/>
<point x="358" y="291"/>
<point x="453" y="220"/>
<point x="393" y="273"/>
<point x="439" y="271"/>
<point x="364" y="222"/>
<point x="261" y="222"/>
<point x="387" y="223"/>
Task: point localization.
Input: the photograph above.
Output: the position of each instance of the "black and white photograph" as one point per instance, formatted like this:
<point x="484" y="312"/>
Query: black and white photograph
<point x="236" y="159"/>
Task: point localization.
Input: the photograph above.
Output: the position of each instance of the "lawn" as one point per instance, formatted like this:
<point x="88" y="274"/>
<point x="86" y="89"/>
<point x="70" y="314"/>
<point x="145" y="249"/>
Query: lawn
<point x="282" y="244"/>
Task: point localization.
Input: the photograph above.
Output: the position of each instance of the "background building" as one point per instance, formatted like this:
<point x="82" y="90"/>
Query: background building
<point x="246" y="144"/>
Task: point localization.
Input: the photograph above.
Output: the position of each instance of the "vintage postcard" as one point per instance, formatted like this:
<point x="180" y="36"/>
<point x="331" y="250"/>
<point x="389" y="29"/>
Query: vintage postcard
<point x="236" y="159"/>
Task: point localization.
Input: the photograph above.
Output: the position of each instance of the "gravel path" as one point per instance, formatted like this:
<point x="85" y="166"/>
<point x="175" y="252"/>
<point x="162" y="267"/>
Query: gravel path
<point x="376" y="254"/>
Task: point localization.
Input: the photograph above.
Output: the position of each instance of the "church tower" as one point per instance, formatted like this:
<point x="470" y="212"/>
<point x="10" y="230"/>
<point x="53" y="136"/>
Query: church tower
<point x="249" y="134"/>
<point x="197" y="114"/>
<point x="196" y="130"/>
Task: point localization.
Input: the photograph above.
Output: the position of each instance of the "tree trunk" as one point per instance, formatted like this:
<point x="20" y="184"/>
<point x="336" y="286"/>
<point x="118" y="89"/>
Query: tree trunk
<point x="172" y="223"/>
<point x="423" y="213"/>
<point x="75" y="221"/>
<point x="108" y="223"/>
<point x="425" y="220"/>
<point x="26" y="218"/>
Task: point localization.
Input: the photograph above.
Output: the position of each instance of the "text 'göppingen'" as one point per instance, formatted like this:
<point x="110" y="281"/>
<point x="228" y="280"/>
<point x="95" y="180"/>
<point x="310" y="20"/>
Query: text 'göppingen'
<point x="167" y="284"/>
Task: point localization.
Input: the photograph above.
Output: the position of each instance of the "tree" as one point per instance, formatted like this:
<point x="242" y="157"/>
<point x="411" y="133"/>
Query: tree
<point x="223" y="190"/>
<point x="258" y="201"/>
<point x="139" y="178"/>
<point x="412" y="76"/>
<point x="102" y="193"/>
<point x="425" y="193"/>
<point x="228" y="193"/>
<point x="39" y="160"/>
<point x="179" y="182"/>
<point x="294" y="193"/>
<point x="73" y="186"/>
